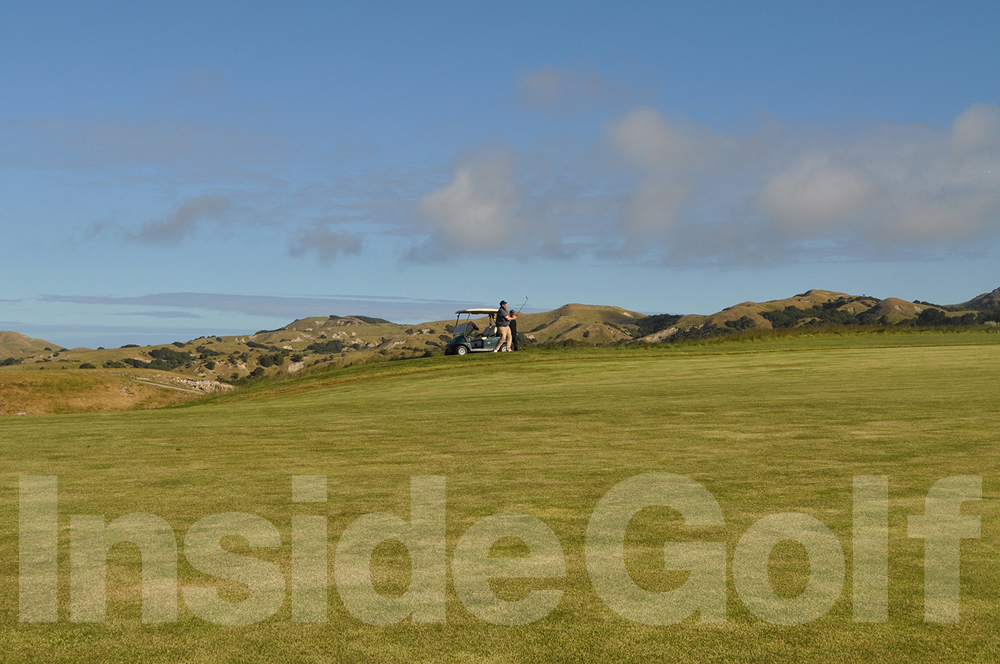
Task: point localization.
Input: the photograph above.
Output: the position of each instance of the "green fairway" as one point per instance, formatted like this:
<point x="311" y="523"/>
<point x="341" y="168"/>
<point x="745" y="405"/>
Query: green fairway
<point x="767" y="427"/>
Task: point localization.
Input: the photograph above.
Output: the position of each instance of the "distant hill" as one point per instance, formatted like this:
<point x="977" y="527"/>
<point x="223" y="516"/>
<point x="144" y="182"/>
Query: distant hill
<point x="16" y="345"/>
<point x="579" y="324"/>
<point x="826" y="308"/>
<point x="210" y="363"/>
<point x="985" y="302"/>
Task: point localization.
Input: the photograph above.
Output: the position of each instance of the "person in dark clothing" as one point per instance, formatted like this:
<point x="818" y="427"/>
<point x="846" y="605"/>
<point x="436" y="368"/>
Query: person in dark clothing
<point x="504" y="319"/>
<point x="513" y="333"/>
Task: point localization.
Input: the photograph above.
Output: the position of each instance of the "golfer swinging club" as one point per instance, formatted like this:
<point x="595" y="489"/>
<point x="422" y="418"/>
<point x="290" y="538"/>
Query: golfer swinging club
<point x="503" y="326"/>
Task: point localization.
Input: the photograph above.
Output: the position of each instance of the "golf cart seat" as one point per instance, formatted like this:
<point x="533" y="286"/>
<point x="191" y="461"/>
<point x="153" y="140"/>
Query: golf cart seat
<point x="490" y="331"/>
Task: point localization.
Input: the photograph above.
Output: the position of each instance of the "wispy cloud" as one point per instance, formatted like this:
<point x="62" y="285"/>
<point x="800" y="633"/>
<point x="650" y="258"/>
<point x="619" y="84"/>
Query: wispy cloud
<point x="189" y="151"/>
<point x="159" y="314"/>
<point x="198" y="85"/>
<point x="286" y="308"/>
<point x="565" y="90"/>
<point x="326" y="244"/>
<point x="173" y="179"/>
<point x="183" y="220"/>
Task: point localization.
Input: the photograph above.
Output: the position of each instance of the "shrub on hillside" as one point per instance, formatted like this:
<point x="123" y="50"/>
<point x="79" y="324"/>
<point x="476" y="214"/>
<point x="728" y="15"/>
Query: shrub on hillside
<point x="275" y="359"/>
<point x="331" y="346"/>
<point x="650" y="324"/>
<point x="741" y="323"/>
<point x="164" y="359"/>
<point x="169" y="356"/>
<point x="373" y="321"/>
<point x="829" y="313"/>
<point x="938" y="318"/>
<point x="87" y="365"/>
<point x="932" y="318"/>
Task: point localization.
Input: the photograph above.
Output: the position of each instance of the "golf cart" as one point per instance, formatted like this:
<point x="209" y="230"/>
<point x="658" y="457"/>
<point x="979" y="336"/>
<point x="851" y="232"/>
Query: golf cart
<point x="468" y="338"/>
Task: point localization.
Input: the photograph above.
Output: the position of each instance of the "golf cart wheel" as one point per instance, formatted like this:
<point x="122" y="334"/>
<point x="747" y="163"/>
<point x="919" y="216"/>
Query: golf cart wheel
<point x="462" y="350"/>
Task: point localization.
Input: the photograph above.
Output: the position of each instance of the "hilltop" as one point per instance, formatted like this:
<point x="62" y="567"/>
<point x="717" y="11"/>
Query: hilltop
<point x="14" y="345"/>
<point x="985" y="302"/>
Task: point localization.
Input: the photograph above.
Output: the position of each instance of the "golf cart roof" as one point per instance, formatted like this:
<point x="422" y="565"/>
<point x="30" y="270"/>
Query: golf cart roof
<point x="482" y="311"/>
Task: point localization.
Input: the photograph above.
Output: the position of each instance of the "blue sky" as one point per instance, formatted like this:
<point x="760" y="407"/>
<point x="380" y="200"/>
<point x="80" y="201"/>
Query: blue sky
<point x="169" y="170"/>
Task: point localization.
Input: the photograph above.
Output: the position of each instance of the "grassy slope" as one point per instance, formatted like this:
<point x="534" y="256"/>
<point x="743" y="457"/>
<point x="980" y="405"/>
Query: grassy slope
<point x="27" y="392"/>
<point x="768" y="426"/>
<point x="17" y="345"/>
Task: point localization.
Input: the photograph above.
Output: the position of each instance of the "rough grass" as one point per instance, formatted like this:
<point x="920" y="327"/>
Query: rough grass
<point x="770" y="425"/>
<point x="28" y="391"/>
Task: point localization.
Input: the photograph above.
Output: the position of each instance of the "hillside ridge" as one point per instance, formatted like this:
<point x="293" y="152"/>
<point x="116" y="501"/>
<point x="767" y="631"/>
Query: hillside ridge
<point x="212" y="363"/>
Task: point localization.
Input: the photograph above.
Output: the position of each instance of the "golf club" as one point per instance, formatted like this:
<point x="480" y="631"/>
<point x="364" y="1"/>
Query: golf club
<point x="522" y="306"/>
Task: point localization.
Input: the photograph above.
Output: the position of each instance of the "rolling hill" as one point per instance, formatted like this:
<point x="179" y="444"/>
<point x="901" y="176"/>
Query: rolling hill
<point x="214" y="363"/>
<point x="827" y="308"/>
<point x="16" y="345"/>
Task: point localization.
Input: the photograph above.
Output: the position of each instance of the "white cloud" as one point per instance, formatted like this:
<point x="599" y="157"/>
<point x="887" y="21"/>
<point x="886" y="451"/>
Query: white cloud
<point x="977" y="129"/>
<point x="648" y="140"/>
<point x="814" y="195"/>
<point x="666" y="157"/>
<point x="658" y="189"/>
<point x="478" y="209"/>
<point x="652" y="208"/>
<point x="893" y="187"/>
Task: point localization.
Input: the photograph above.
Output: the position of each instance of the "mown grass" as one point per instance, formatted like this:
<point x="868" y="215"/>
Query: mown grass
<point x="772" y="425"/>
